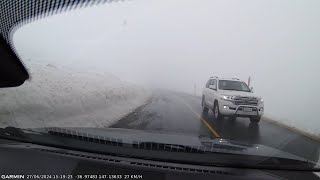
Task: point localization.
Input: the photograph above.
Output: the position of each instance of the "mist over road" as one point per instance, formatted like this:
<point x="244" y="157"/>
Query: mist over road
<point x="174" y="112"/>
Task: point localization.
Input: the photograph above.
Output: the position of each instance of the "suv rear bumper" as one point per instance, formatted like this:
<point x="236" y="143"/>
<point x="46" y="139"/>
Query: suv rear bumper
<point x="227" y="108"/>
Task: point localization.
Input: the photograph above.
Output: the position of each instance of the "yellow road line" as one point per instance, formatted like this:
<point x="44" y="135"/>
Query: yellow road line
<point x="203" y="120"/>
<point x="211" y="128"/>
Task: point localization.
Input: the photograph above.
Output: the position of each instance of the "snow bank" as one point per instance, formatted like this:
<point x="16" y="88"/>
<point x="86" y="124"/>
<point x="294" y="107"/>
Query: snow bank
<point x="56" y="96"/>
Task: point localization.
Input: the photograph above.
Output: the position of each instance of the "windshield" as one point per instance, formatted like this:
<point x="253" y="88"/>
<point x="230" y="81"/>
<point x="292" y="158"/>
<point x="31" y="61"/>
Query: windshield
<point x="140" y="72"/>
<point x="233" y="86"/>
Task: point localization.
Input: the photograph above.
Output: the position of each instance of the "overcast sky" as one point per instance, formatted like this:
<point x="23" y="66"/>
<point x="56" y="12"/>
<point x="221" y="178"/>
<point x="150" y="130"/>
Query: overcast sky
<point x="178" y="43"/>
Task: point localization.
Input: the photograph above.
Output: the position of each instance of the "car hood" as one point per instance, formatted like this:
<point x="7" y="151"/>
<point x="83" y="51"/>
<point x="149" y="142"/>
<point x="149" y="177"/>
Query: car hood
<point x="238" y="93"/>
<point x="208" y="144"/>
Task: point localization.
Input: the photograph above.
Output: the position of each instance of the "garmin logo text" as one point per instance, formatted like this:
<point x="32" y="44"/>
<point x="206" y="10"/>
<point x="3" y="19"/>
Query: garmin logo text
<point x="11" y="176"/>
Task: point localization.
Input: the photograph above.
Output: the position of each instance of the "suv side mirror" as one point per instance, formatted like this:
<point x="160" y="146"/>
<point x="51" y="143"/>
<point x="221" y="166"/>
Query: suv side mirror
<point x="213" y="87"/>
<point x="251" y="89"/>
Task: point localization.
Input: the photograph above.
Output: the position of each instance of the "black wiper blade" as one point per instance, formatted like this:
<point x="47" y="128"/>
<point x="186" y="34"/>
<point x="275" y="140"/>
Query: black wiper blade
<point x="207" y="147"/>
<point x="81" y="136"/>
<point x="168" y="147"/>
<point x="13" y="133"/>
<point x="85" y="137"/>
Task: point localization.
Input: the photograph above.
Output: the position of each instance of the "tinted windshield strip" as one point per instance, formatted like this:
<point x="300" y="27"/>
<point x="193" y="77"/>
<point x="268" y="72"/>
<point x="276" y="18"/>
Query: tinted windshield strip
<point x="233" y="85"/>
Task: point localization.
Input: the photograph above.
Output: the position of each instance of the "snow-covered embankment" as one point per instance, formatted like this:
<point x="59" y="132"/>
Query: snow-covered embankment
<point x="56" y="96"/>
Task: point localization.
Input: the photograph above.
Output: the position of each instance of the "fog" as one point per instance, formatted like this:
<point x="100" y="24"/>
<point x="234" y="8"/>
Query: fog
<point x="179" y="44"/>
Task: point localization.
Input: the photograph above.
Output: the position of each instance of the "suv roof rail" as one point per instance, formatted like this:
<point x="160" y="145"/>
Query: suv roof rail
<point x="236" y="79"/>
<point x="214" y="77"/>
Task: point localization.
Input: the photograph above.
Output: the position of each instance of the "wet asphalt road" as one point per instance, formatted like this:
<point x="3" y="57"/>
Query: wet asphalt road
<point x="182" y="113"/>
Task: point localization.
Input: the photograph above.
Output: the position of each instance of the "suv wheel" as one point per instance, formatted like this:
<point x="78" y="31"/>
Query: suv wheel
<point x="216" y="112"/>
<point x="204" y="107"/>
<point x="255" y="120"/>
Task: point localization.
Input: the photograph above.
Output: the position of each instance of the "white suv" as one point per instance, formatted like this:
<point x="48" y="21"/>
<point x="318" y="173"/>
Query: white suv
<point x="233" y="98"/>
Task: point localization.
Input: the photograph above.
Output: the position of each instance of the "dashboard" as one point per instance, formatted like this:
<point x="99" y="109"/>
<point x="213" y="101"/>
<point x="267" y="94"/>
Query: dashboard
<point x="21" y="160"/>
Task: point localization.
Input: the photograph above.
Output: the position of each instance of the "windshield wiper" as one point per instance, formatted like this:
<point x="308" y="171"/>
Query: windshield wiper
<point x="168" y="147"/>
<point x="146" y="145"/>
<point x="13" y="133"/>
<point x="103" y="145"/>
<point x="135" y="144"/>
<point x="86" y="137"/>
<point x="20" y="134"/>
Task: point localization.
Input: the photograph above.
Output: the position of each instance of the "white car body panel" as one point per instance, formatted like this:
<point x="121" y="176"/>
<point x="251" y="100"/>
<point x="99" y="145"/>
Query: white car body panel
<point x="233" y="109"/>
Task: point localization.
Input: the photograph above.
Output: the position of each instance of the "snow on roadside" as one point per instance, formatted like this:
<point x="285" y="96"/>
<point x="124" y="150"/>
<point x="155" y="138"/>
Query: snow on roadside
<point x="56" y="96"/>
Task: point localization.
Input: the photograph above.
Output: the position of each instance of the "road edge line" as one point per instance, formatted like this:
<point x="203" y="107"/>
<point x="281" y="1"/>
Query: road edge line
<point x="296" y="130"/>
